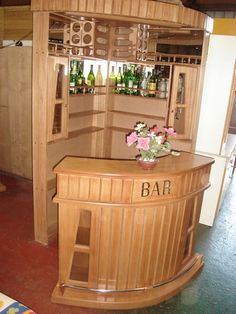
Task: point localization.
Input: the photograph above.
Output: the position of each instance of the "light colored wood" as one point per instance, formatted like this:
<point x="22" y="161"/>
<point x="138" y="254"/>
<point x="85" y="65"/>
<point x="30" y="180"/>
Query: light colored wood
<point x="1" y="25"/>
<point x="39" y="118"/>
<point x="89" y="135"/>
<point x="138" y="235"/>
<point x="181" y="116"/>
<point x="17" y="23"/>
<point x="15" y="111"/>
<point x="156" y="13"/>
<point x="52" y="101"/>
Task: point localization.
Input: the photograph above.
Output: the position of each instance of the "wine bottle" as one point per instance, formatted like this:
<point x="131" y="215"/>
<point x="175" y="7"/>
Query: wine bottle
<point x="91" y="80"/>
<point x="143" y="84"/>
<point x="129" y="81"/>
<point x="73" y="76"/>
<point x="99" y="77"/>
<point x="112" y="77"/>
<point x="119" y="81"/>
<point x="80" y="79"/>
<point x="124" y="78"/>
<point x="152" y="85"/>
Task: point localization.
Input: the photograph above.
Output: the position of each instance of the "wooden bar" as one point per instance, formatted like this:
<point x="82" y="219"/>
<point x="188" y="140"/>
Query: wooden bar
<point x="140" y="241"/>
<point x="154" y="12"/>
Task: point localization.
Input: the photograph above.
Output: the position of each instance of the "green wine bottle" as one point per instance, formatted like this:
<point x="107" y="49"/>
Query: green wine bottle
<point x="119" y="81"/>
<point x="80" y="79"/>
<point x="129" y="81"/>
<point x="91" y="80"/>
<point x="73" y="76"/>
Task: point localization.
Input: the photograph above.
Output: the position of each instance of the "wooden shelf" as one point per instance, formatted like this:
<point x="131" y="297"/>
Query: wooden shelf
<point x="87" y="94"/>
<point x="76" y="133"/>
<point x="135" y="114"/>
<point x="84" y="113"/>
<point x="118" y="129"/>
<point x="143" y="97"/>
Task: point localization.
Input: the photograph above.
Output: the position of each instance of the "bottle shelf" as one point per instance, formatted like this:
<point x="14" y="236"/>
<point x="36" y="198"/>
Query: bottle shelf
<point x="85" y="113"/>
<point x="151" y="98"/>
<point x="83" y="131"/>
<point x="135" y="114"/>
<point x="85" y="92"/>
<point x="137" y="92"/>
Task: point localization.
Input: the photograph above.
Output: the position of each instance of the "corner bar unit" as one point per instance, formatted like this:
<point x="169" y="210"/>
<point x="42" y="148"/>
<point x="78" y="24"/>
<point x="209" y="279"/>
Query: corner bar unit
<point x="126" y="235"/>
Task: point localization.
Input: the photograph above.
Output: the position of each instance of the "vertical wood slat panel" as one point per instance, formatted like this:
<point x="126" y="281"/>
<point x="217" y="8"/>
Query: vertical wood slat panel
<point x="84" y="188"/>
<point x="116" y="190"/>
<point x="104" y="239"/>
<point x="167" y="253"/>
<point x="117" y="7"/>
<point x="165" y="233"/>
<point x="94" y="191"/>
<point x="127" y="191"/>
<point x="114" y="250"/>
<point x="105" y="190"/>
<point x="126" y="6"/>
<point x="67" y="236"/>
<point x="82" y="5"/>
<point x="147" y="244"/>
<point x="125" y="245"/>
<point x="175" y="268"/>
<point x="172" y="245"/>
<point x="95" y="232"/>
<point x="143" y="9"/>
<point x="150" y="238"/>
<point x="183" y="234"/>
<point x="73" y="186"/>
<point x="156" y="244"/>
<point x="108" y="6"/>
<point x="100" y="6"/>
<point x="151" y="9"/>
<point x="135" y="249"/>
<point x="135" y="4"/>
<point x="90" y="6"/>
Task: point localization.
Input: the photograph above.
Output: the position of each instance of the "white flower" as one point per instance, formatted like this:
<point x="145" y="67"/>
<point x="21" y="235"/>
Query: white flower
<point x="139" y="126"/>
<point x="159" y="139"/>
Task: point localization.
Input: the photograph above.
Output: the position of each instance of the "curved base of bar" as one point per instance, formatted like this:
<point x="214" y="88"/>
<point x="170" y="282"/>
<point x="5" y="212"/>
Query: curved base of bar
<point x="128" y="300"/>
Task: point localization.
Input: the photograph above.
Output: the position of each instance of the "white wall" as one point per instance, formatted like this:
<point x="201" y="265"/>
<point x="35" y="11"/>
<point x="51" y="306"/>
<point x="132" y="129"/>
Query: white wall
<point x="216" y="92"/>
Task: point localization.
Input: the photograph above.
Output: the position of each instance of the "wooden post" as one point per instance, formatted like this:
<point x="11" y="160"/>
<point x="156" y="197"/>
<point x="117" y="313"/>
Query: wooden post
<point x="1" y="26"/>
<point x="39" y="96"/>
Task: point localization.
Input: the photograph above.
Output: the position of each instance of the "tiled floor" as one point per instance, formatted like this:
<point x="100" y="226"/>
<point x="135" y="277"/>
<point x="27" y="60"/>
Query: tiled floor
<point x="28" y="271"/>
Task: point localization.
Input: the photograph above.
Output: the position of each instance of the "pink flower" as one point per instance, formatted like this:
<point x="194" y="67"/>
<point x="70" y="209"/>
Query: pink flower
<point x="131" y="138"/>
<point x="143" y="143"/>
<point x="170" y="131"/>
<point x="154" y="129"/>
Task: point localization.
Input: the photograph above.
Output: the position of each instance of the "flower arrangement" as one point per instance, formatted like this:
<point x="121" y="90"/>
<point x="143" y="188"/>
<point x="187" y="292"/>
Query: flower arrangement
<point x="149" y="141"/>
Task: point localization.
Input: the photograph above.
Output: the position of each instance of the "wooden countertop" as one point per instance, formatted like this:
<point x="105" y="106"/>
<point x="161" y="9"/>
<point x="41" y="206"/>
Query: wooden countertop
<point x="167" y="165"/>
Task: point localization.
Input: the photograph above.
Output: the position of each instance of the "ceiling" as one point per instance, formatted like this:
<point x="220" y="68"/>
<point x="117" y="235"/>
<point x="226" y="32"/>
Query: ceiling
<point x="200" y="5"/>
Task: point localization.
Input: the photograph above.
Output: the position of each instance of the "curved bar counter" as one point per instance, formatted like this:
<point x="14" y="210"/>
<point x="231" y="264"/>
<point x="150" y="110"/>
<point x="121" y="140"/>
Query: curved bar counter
<point x="126" y="235"/>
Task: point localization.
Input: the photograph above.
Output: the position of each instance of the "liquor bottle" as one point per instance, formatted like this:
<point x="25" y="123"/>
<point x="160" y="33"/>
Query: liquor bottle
<point x="99" y="77"/>
<point x="125" y="70"/>
<point x="143" y="84"/>
<point x="152" y="85"/>
<point x="112" y="77"/>
<point x="80" y="79"/>
<point x="91" y="80"/>
<point x="129" y="81"/>
<point x="136" y="81"/>
<point x="73" y="76"/>
<point x="119" y="81"/>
